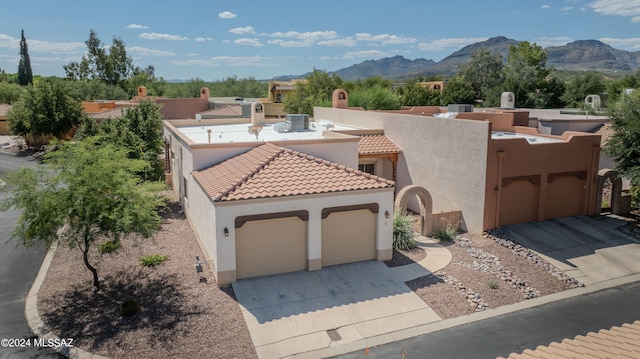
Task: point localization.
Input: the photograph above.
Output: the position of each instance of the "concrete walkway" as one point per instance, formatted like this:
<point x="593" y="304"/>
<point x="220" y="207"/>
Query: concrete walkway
<point x="293" y="313"/>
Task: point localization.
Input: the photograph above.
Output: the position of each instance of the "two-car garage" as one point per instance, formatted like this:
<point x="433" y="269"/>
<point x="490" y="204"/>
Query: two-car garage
<point x="278" y="242"/>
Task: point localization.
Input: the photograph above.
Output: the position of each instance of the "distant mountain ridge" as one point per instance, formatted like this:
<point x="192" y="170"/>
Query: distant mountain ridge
<point x="578" y="55"/>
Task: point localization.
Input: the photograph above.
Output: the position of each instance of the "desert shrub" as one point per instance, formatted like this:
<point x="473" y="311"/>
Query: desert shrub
<point x="129" y="307"/>
<point x="109" y="246"/>
<point x="153" y="260"/>
<point x="493" y="285"/>
<point x="446" y="233"/>
<point x="403" y="235"/>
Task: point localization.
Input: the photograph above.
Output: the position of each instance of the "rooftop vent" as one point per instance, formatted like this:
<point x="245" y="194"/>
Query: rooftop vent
<point x="459" y="108"/>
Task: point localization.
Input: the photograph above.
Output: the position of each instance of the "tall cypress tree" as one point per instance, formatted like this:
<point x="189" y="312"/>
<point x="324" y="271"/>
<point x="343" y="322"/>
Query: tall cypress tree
<point x="25" y="75"/>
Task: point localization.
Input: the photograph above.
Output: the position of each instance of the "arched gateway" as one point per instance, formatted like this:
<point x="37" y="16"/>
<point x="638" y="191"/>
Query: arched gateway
<point x="426" y="205"/>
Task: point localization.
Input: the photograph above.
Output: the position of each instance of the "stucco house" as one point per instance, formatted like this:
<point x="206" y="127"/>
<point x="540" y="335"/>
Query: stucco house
<point x="266" y="196"/>
<point x="264" y="202"/>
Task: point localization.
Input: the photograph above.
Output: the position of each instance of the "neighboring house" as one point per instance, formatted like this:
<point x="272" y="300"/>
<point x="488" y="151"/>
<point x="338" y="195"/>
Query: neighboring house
<point x="483" y="164"/>
<point x="4" y="120"/>
<point x="265" y="202"/>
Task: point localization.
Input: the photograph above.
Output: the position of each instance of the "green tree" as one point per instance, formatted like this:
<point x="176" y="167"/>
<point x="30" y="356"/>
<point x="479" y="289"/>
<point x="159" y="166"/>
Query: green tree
<point x="416" y="95"/>
<point x="525" y="74"/>
<point x="45" y="109"/>
<point x="25" y="75"/>
<point x="316" y="91"/>
<point x="624" y="145"/>
<point x="139" y="131"/>
<point x="145" y="77"/>
<point x="483" y="71"/>
<point x="86" y="90"/>
<point x="376" y="97"/>
<point x="10" y="93"/>
<point x="458" y="91"/>
<point x="112" y="66"/>
<point x="616" y="88"/>
<point x="582" y="85"/>
<point x="87" y="193"/>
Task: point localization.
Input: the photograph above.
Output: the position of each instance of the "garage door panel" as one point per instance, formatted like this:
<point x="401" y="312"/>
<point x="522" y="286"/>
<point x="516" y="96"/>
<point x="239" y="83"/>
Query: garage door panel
<point x="271" y="246"/>
<point x="348" y="236"/>
<point x="565" y="197"/>
<point x="518" y="202"/>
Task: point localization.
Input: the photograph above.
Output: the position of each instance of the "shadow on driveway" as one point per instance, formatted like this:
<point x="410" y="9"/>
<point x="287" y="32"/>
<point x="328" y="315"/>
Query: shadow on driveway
<point x="590" y="250"/>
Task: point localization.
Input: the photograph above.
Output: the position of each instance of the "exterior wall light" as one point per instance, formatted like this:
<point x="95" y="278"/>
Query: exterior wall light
<point x="226" y="232"/>
<point x="387" y="214"/>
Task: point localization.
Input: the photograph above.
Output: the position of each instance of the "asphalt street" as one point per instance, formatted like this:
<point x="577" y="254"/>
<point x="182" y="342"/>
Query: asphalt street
<point x="18" y="269"/>
<point x="526" y="329"/>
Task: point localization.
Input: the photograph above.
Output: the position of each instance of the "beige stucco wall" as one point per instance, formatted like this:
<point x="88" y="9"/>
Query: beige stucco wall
<point x="209" y="219"/>
<point x="446" y="156"/>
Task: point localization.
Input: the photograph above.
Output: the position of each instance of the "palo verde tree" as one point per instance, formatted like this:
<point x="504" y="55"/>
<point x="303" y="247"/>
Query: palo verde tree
<point x="624" y="145"/>
<point x="88" y="192"/>
<point x="25" y="74"/>
<point x="45" y="109"/>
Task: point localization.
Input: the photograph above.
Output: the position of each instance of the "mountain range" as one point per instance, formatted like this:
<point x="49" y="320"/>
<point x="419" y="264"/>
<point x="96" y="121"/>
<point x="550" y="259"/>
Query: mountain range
<point x="591" y="55"/>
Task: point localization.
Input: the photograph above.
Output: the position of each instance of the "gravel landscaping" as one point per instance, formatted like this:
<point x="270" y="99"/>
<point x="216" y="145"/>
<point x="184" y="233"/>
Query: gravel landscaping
<point x="184" y="314"/>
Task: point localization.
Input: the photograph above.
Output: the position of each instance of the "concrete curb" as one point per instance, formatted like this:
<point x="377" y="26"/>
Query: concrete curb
<point x="37" y="325"/>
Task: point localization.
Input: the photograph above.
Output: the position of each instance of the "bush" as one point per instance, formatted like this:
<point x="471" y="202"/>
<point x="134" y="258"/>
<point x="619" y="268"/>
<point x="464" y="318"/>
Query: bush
<point x="153" y="260"/>
<point x="129" y="307"/>
<point x="493" y="285"/>
<point x="109" y="246"/>
<point x="403" y="235"/>
<point x="446" y="233"/>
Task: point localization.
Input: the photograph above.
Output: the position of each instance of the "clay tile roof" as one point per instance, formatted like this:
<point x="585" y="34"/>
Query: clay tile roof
<point x="376" y="144"/>
<point x="605" y="132"/>
<point x="113" y="113"/>
<point x="228" y="110"/>
<point x="269" y="171"/>
<point x="4" y="108"/>
<point x="617" y="342"/>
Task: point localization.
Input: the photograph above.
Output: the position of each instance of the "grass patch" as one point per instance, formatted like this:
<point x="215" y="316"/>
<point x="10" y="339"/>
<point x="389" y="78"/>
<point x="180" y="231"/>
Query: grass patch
<point x="109" y="246"/>
<point x="153" y="260"/>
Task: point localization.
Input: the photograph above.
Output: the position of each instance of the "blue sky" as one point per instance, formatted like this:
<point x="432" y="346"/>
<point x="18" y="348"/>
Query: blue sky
<point x="213" y="40"/>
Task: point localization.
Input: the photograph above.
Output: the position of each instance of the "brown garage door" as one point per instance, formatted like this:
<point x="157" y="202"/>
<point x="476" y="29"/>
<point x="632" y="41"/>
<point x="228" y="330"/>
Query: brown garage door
<point x="518" y="200"/>
<point x="271" y="246"/>
<point x="565" y="194"/>
<point x="348" y="236"/>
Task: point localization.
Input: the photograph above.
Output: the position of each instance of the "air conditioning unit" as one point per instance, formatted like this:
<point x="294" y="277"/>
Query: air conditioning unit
<point x="297" y="122"/>
<point x="460" y="108"/>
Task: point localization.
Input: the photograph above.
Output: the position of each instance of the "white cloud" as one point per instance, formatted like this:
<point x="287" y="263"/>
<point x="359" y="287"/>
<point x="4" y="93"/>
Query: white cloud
<point x="10" y="42"/>
<point x="137" y="50"/>
<point x="242" y="30"/>
<point x="545" y="6"/>
<point x="447" y="44"/>
<point x="631" y="43"/>
<point x="156" y="36"/>
<point x="137" y="26"/>
<point x="307" y="36"/>
<point x="236" y="61"/>
<point x="365" y="54"/>
<point x="290" y="43"/>
<point x="385" y="39"/>
<point x="630" y="8"/>
<point x="347" y="41"/>
<point x="203" y="39"/>
<point x="226" y="15"/>
<point x="566" y="8"/>
<point x="248" y="42"/>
